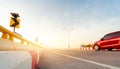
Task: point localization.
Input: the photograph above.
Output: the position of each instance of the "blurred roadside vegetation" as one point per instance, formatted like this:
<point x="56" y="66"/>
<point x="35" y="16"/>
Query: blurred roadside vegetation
<point x="86" y="45"/>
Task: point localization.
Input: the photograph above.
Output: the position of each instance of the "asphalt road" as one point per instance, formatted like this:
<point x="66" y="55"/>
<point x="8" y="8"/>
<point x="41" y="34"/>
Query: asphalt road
<point x="77" y="59"/>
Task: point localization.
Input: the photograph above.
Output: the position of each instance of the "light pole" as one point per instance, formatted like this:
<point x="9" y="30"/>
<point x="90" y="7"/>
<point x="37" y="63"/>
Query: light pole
<point x="68" y="39"/>
<point x="68" y="32"/>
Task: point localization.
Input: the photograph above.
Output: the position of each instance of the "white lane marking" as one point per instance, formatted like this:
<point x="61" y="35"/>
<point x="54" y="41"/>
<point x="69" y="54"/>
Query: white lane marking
<point x="89" y="61"/>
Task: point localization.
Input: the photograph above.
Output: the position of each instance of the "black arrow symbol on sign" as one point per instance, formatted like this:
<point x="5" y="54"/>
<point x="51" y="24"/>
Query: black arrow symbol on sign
<point x="16" y="22"/>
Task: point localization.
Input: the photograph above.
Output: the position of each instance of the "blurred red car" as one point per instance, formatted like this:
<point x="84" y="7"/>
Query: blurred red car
<point x="109" y="41"/>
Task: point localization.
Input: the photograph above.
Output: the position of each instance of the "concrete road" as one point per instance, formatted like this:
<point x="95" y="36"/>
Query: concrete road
<point x="77" y="59"/>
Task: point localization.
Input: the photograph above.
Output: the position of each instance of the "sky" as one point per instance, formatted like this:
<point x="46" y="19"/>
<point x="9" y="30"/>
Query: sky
<point x="56" y="23"/>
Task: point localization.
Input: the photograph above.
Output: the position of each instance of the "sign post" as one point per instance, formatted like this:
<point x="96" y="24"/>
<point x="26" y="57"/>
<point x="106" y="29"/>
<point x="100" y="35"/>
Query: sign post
<point x="15" y="21"/>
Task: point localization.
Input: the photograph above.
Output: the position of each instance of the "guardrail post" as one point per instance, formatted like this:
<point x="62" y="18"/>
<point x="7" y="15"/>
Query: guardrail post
<point x="11" y="38"/>
<point x="28" y="43"/>
<point x="22" y="41"/>
<point x="5" y="35"/>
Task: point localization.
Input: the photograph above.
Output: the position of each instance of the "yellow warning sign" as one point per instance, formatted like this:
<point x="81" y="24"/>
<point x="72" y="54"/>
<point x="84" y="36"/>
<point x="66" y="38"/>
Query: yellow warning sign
<point x="15" y="22"/>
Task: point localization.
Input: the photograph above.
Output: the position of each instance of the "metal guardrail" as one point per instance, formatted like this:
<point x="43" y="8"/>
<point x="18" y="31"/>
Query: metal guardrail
<point x="7" y="43"/>
<point x="6" y="34"/>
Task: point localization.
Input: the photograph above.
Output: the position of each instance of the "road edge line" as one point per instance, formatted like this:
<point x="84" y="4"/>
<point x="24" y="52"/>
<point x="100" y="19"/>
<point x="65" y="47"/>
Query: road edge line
<point x="93" y="62"/>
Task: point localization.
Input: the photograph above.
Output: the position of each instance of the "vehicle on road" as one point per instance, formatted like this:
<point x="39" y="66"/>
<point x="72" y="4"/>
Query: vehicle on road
<point x="109" y="41"/>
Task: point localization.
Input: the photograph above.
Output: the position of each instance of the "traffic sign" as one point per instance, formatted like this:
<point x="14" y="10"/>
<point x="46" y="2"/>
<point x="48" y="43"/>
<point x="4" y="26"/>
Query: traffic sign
<point x="15" y="22"/>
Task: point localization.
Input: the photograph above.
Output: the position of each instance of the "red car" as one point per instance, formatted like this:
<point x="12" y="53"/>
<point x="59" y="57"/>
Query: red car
<point x="109" y="41"/>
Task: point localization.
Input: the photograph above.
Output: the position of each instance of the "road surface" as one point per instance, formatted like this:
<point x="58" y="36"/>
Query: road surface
<point x="77" y="59"/>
